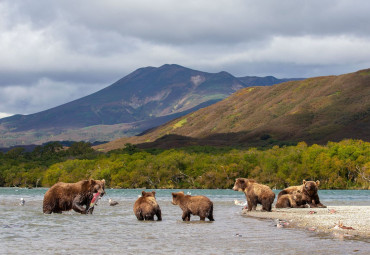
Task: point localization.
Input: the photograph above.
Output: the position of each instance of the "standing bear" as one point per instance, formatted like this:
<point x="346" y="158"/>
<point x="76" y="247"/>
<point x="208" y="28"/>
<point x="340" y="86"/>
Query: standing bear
<point x="255" y="193"/>
<point x="77" y="196"/>
<point x="197" y="205"/>
<point x="146" y="207"/>
<point x="309" y="193"/>
<point x="294" y="200"/>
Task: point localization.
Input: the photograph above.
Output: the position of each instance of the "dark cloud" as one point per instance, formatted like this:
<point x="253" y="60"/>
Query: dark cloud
<point x="46" y="45"/>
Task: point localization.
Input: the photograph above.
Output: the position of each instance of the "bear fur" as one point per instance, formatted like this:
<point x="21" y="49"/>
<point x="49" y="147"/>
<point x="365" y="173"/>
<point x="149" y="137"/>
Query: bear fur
<point x="309" y="193"/>
<point x="197" y="205"/>
<point x="293" y="200"/>
<point x="255" y="193"/>
<point x="77" y="196"/>
<point x="146" y="207"/>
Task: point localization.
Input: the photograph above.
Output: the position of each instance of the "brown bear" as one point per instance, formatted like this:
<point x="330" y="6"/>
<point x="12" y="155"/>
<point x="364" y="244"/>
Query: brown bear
<point x="293" y="200"/>
<point x="255" y="193"/>
<point x="309" y="193"/>
<point x="66" y="196"/>
<point x="146" y="207"/>
<point x="197" y="205"/>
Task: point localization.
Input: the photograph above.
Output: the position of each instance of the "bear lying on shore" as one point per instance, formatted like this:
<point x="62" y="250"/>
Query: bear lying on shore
<point x="293" y="200"/>
<point x="309" y="193"/>
<point x="255" y="193"/>
<point x="146" y="207"/>
<point x="197" y="205"/>
<point x="66" y="196"/>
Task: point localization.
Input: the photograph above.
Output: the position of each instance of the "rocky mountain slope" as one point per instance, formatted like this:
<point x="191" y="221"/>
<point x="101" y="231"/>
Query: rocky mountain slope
<point x="141" y="100"/>
<point x="315" y="110"/>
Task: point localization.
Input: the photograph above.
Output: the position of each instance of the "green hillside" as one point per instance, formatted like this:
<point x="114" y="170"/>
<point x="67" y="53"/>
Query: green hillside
<point x="315" y="110"/>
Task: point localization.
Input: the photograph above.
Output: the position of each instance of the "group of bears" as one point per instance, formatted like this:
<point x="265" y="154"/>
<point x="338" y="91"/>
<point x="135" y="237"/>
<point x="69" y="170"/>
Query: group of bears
<point x="77" y="196"/>
<point x="301" y="196"/>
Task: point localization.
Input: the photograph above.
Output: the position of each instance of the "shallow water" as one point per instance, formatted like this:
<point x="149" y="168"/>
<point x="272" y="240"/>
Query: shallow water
<point x="115" y="230"/>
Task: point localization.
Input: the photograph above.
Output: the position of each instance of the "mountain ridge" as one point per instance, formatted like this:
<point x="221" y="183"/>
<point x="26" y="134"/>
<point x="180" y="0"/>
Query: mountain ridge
<point x="315" y="110"/>
<point x="149" y="94"/>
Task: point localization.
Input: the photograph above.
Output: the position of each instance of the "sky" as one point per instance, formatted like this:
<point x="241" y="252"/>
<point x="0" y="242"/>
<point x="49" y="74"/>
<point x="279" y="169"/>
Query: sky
<point x="53" y="52"/>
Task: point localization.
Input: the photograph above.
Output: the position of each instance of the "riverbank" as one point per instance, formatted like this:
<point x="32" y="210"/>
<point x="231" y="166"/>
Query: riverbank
<point x="340" y="221"/>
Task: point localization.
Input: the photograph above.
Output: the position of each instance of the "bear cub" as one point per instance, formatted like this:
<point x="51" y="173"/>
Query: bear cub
<point x="146" y="207"/>
<point x="197" y="205"/>
<point x="294" y="200"/>
<point x="255" y="193"/>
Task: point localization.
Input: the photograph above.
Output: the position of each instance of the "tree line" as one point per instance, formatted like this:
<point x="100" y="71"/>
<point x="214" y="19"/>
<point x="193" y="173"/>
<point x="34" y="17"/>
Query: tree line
<point x="338" y="165"/>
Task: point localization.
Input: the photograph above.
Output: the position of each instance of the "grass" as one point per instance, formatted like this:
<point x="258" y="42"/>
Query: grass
<point x="180" y="123"/>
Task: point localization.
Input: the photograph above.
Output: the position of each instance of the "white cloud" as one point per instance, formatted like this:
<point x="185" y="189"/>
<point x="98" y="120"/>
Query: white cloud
<point x="42" y="95"/>
<point x="63" y="46"/>
<point x="4" y="114"/>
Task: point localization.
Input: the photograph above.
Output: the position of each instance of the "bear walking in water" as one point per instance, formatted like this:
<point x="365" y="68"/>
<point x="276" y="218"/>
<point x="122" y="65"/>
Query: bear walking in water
<point x="146" y="207"/>
<point x="255" y="193"/>
<point x="309" y="193"/>
<point x="196" y="205"/>
<point x="77" y="196"/>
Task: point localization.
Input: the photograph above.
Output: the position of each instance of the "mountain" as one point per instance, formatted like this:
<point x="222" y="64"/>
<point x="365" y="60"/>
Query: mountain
<point x="315" y="110"/>
<point x="144" y="99"/>
<point x="263" y="81"/>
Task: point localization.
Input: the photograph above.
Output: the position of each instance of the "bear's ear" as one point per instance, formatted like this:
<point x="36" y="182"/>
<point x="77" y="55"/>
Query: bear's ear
<point x="241" y="180"/>
<point x="92" y="182"/>
<point x="103" y="181"/>
<point x="304" y="182"/>
<point x="153" y="193"/>
<point x="143" y="193"/>
<point x="317" y="182"/>
<point x="174" y="194"/>
<point x="181" y="192"/>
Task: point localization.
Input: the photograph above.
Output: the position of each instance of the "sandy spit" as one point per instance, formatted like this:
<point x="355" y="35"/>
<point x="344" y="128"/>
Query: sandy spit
<point x="347" y="221"/>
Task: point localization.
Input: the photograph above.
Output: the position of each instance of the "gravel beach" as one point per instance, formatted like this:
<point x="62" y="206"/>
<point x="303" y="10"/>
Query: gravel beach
<point x="340" y="221"/>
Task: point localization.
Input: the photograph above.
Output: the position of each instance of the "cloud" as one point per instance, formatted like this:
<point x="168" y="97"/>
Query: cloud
<point x="4" y="114"/>
<point x="41" y="95"/>
<point x="76" y="43"/>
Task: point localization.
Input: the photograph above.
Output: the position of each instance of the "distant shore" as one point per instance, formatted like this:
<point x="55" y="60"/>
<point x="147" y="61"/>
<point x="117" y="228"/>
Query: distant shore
<point x="340" y="221"/>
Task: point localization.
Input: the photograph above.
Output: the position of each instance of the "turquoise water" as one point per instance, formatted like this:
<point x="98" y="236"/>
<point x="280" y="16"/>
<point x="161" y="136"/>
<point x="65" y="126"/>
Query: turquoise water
<point x="115" y="230"/>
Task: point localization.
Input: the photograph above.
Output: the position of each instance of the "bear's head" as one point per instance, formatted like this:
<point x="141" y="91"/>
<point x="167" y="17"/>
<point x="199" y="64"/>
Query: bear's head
<point x="176" y="197"/>
<point x="148" y="194"/>
<point x="97" y="186"/>
<point x="310" y="187"/>
<point x="242" y="183"/>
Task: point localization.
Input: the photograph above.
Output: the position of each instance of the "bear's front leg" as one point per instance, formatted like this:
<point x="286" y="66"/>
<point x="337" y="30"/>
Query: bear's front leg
<point x="250" y="205"/>
<point x="186" y="216"/>
<point x="315" y="202"/>
<point x="321" y="205"/>
<point x="89" y="210"/>
<point x="159" y="215"/>
<point x="77" y="206"/>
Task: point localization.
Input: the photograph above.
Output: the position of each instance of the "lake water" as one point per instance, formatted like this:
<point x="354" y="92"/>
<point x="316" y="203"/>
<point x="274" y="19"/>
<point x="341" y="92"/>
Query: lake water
<point x="115" y="230"/>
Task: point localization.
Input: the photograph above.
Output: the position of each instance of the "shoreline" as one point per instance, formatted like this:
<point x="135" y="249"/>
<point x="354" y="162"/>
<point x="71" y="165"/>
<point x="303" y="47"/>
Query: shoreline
<point x="340" y="221"/>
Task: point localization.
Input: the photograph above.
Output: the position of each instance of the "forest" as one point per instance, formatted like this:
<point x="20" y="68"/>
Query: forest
<point x="338" y="165"/>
